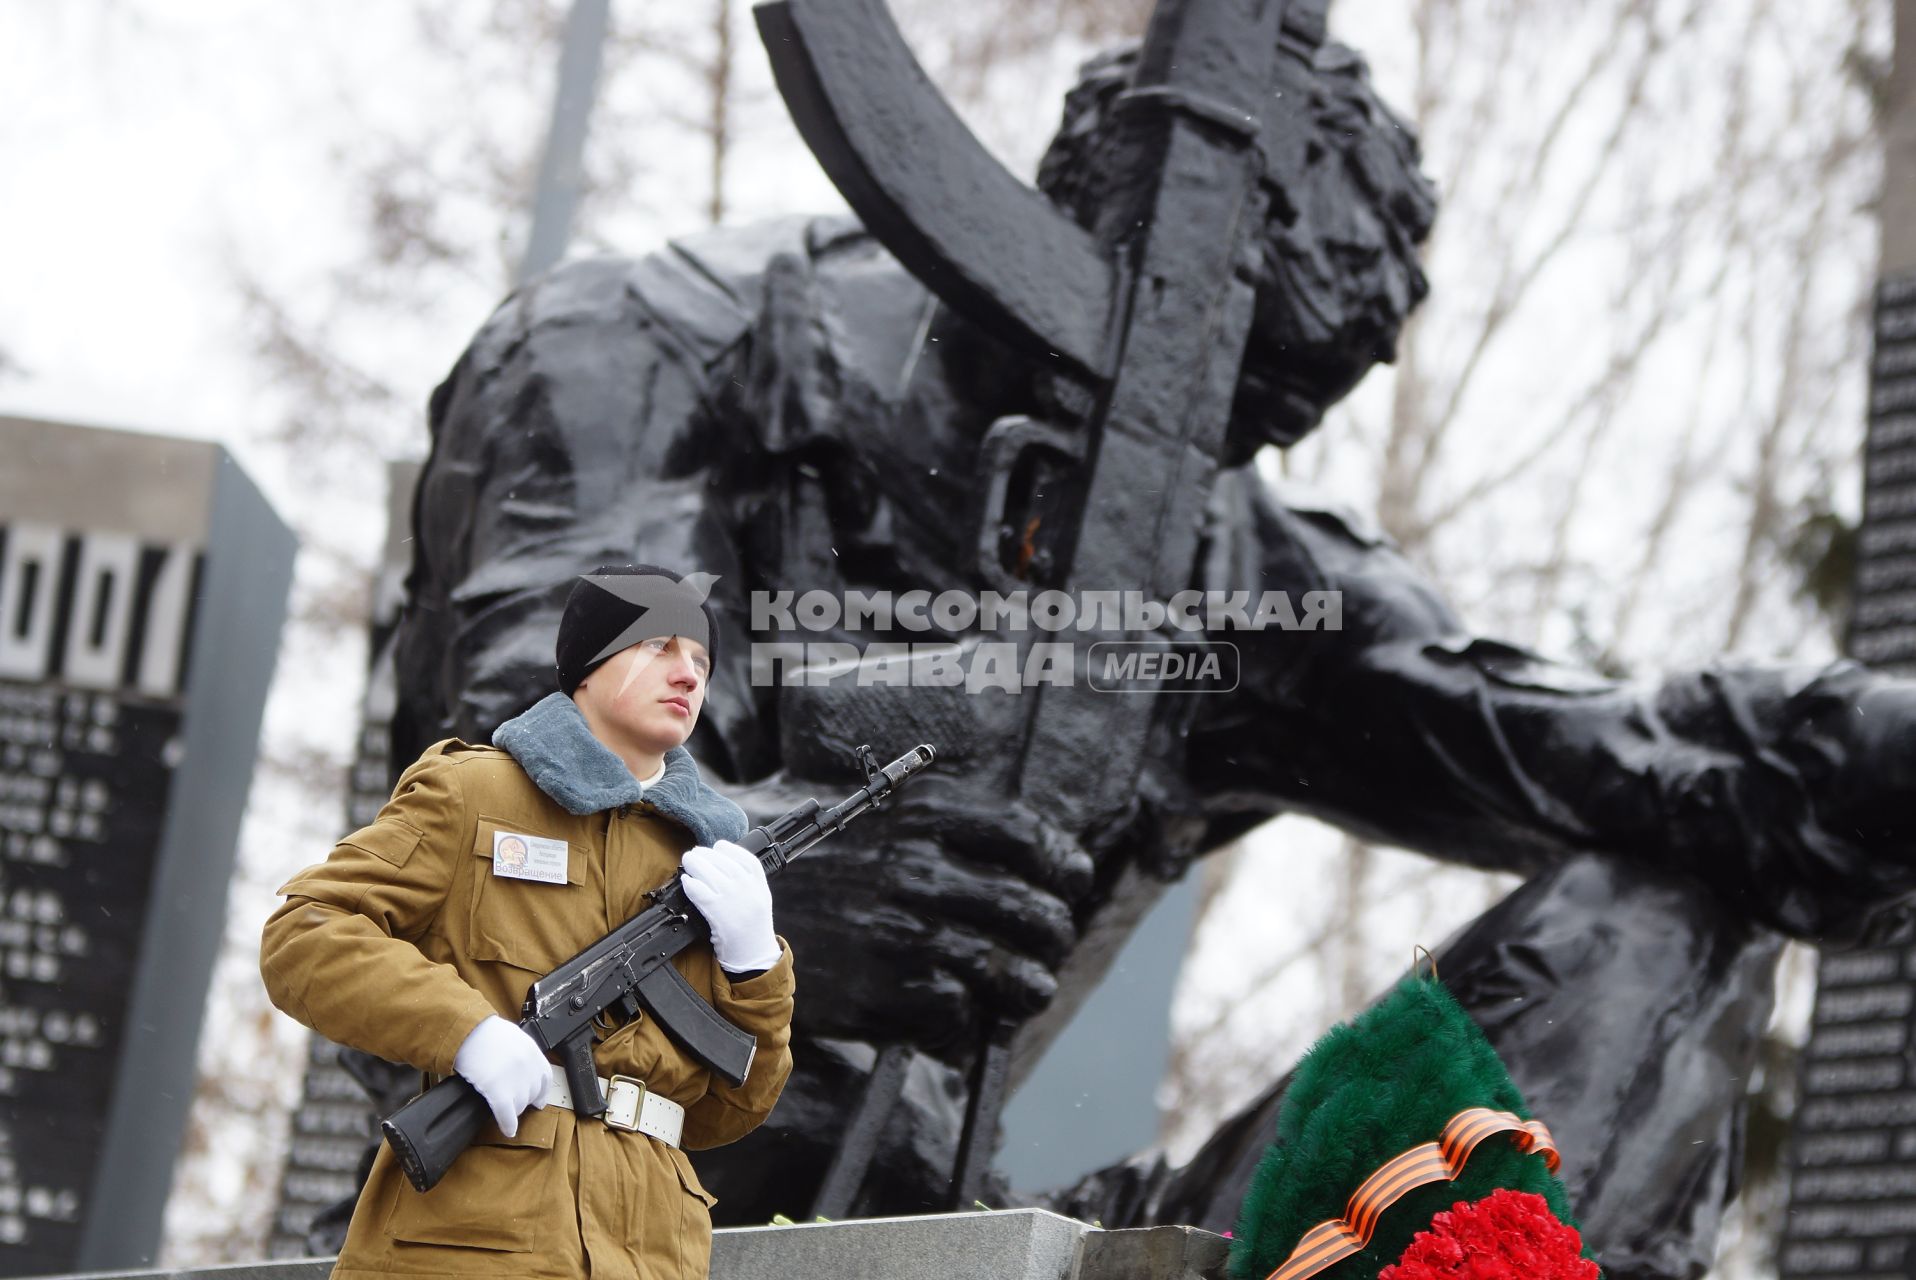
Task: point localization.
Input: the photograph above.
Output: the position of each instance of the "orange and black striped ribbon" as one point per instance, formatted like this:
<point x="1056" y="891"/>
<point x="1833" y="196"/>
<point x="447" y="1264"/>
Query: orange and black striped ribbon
<point x="1443" y="1160"/>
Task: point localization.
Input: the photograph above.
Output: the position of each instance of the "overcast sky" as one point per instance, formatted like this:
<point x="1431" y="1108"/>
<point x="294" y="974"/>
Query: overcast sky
<point x="151" y="146"/>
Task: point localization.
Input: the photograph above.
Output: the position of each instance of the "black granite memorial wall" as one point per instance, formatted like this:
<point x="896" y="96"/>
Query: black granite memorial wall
<point x="121" y="785"/>
<point x="1853" y="1150"/>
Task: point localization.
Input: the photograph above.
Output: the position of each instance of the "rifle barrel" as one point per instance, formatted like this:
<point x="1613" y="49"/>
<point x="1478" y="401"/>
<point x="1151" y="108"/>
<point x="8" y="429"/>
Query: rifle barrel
<point x="870" y="796"/>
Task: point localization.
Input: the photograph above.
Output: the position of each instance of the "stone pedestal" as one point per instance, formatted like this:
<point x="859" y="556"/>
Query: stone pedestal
<point x="1020" y="1244"/>
<point x="1160" y="1253"/>
<point x="1015" y="1244"/>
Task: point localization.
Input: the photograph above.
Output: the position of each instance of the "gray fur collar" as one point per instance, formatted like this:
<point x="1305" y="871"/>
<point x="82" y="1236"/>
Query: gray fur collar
<point x="553" y="744"/>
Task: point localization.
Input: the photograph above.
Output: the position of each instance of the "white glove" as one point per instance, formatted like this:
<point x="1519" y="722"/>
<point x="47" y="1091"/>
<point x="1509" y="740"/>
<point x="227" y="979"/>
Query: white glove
<point x="727" y="885"/>
<point x="506" y="1067"/>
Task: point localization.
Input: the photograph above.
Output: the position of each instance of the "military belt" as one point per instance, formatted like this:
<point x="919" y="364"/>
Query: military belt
<point x="629" y="1105"/>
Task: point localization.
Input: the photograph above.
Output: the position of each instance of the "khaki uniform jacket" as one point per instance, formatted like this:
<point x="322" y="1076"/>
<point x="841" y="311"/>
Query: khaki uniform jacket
<point x="403" y="940"/>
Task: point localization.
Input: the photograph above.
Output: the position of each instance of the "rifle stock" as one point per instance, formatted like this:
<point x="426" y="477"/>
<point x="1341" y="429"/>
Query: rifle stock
<point x="429" y="1132"/>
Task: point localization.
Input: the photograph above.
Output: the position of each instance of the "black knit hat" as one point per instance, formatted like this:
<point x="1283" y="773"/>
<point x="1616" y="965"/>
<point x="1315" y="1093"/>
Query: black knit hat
<point x="617" y="606"/>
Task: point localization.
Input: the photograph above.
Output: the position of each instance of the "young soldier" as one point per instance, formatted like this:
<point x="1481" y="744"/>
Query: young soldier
<point x="417" y="939"/>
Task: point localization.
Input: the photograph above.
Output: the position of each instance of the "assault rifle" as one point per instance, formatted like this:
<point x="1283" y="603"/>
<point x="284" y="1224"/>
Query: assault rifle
<point x="628" y="970"/>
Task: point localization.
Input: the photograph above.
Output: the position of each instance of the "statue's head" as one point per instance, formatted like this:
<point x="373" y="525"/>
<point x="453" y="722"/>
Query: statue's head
<point x="1339" y="272"/>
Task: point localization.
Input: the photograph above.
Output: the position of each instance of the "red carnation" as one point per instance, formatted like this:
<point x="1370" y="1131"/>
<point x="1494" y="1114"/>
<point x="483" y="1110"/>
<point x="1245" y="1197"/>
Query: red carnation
<point x="1508" y="1235"/>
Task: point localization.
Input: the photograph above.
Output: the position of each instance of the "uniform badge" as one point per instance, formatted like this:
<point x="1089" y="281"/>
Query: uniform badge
<point x="523" y="857"/>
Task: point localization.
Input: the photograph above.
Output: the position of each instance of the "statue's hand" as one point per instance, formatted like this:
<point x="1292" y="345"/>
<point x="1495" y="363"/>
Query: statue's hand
<point x="922" y="921"/>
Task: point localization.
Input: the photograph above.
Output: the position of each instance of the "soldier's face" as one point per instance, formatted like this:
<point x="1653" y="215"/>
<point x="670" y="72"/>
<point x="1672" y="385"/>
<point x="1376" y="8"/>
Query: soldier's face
<point x="651" y="692"/>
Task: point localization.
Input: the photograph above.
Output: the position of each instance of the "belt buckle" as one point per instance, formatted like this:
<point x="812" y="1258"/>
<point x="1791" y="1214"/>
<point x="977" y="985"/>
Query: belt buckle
<point x="619" y="1114"/>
